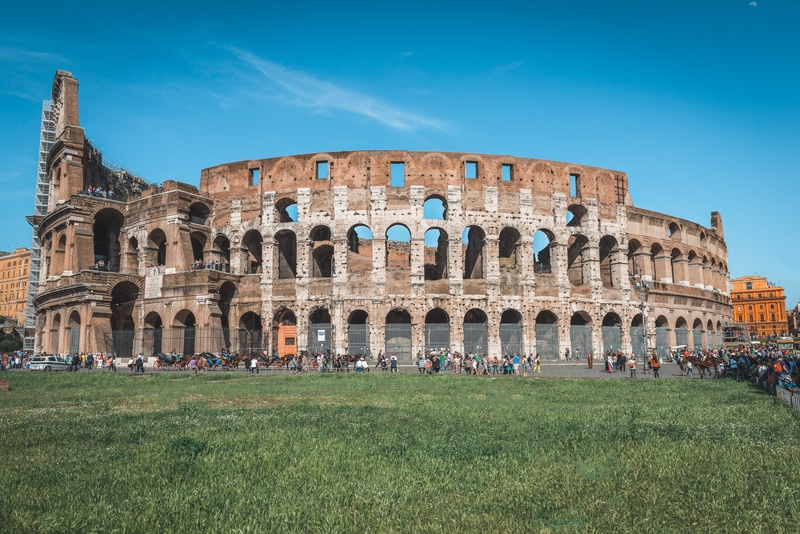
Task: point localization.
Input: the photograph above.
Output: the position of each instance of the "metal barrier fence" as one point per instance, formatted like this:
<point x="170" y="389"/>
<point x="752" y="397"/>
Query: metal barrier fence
<point x="511" y="339"/>
<point x="681" y="337"/>
<point x="475" y="338"/>
<point x="398" y="340"/>
<point x="319" y="338"/>
<point x="547" y="341"/>
<point x="662" y="342"/>
<point x="788" y="397"/>
<point x="697" y="339"/>
<point x="638" y="343"/>
<point x="580" y="338"/>
<point x="612" y="338"/>
<point x="358" y="339"/>
<point x="437" y="335"/>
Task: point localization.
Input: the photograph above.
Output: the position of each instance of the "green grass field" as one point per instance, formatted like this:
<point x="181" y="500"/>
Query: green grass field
<point x="376" y="453"/>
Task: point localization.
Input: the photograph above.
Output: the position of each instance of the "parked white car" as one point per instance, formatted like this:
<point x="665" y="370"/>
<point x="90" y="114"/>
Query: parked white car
<point x="49" y="363"/>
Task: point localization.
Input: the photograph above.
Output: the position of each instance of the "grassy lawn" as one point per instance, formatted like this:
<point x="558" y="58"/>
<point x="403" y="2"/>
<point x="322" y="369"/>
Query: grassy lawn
<point x="376" y="453"/>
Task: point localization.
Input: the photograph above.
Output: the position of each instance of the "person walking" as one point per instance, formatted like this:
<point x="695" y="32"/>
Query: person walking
<point x="655" y="365"/>
<point x="590" y="359"/>
<point x="689" y="369"/>
<point x="537" y="365"/>
<point x="254" y="366"/>
<point x="193" y="365"/>
<point x="394" y="363"/>
<point x="112" y="363"/>
<point x="566" y="355"/>
<point x="632" y="365"/>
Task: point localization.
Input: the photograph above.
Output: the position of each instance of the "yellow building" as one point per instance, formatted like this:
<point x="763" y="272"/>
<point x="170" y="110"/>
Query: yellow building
<point x="14" y="268"/>
<point x="759" y="304"/>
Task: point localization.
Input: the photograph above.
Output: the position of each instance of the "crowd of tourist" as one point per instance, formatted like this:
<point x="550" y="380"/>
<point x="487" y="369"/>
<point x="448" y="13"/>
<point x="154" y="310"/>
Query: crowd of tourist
<point x="102" y="265"/>
<point x="99" y="192"/>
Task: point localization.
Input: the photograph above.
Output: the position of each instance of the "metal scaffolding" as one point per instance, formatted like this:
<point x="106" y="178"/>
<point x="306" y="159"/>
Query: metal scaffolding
<point x="47" y="137"/>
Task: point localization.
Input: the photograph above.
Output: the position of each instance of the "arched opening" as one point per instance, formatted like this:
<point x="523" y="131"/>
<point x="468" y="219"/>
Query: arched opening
<point x="543" y="240"/>
<point x="285" y="255"/>
<point x="398" y="247"/>
<point x="674" y="230"/>
<point x="74" y="325"/>
<point x="359" y="249"/>
<point x="319" y="332"/>
<point x="221" y="252"/>
<point x="681" y="333"/>
<point x="612" y="333"/>
<point x="435" y="208"/>
<point x="437" y="329"/>
<point x="227" y="292"/>
<point x="186" y="322"/>
<point x="321" y="252"/>
<point x="508" y="249"/>
<point x="55" y="334"/>
<point x="473" y="242"/>
<point x="251" y="251"/>
<point x="697" y="334"/>
<point x="580" y="334"/>
<point x="436" y="253"/>
<point x="656" y="264"/>
<point x="358" y="333"/>
<point x="123" y="301"/>
<point x="609" y="268"/>
<point x="133" y="255"/>
<point x="637" y="333"/>
<point x="635" y="263"/>
<point x="511" y="335"/>
<point x="679" y="266"/>
<point x="475" y="332"/>
<point x="286" y="210"/>
<point x="546" y="328"/>
<point x="577" y="259"/>
<point x="157" y="248"/>
<point x="250" y="333"/>
<point x="284" y="328"/>
<point x="198" y="213"/>
<point x="710" y="335"/>
<point x="153" y="334"/>
<point x="106" y="229"/>
<point x="60" y="255"/>
<point x="198" y="245"/>
<point x="575" y="215"/>
<point x="662" y="336"/>
<point x="397" y="338"/>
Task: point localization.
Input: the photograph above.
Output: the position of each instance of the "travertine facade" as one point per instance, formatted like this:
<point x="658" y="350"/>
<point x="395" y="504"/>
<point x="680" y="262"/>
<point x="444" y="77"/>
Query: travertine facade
<point x="313" y="255"/>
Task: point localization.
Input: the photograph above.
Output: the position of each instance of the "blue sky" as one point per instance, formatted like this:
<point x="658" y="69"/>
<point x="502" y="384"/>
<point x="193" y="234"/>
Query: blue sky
<point x="696" y="101"/>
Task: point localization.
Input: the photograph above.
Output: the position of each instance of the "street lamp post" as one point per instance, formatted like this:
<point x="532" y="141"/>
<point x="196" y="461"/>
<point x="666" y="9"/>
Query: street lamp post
<point x="642" y="289"/>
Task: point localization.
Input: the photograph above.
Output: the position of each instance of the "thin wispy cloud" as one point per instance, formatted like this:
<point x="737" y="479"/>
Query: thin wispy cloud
<point x="407" y="54"/>
<point x="508" y="67"/>
<point x="307" y="90"/>
<point x="18" y="55"/>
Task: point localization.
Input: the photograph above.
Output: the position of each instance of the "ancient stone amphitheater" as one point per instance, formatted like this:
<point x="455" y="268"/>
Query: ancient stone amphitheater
<point x="368" y="251"/>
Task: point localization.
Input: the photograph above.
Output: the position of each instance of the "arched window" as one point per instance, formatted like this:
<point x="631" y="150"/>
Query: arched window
<point x="580" y="334"/>
<point x="473" y="241"/>
<point x="251" y="251"/>
<point x="575" y="215"/>
<point x="397" y="339"/>
<point x="106" y="229"/>
<point x="543" y="240"/>
<point x="577" y="249"/>
<point x="398" y="247"/>
<point x="198" y="244"/>
<point x="435" y="207"/>
<point x="250" y="333"/>
<point x="322" y="252"/>
<point x="546" y="329"/>
<point x="221" y="252"/>
<point x="285" y="255"/>
<point x="319" y="332"/>
<point x="157" y="247"/>
<point x="359" y="249"/>
<point x="358" y="333"/>
<point x="153" y="334"/>
<point x="508" y="250"/>
<point x="436" y="254"/>
<point x="612" y="333"/>
<point x="609" y="269"/>
<point x="511" y="334"/>
<point x="437" y="329"/>
<point x="286" y="210"/>
<point x="198" y="213"/>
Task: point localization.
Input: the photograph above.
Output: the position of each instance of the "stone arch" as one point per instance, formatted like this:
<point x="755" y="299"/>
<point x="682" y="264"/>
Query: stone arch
<point x="543" y="241"/>
<point x="322" y="265"/>
<point x="55" y="333"/>
<point x="609" y="268"/>
<point x="59" y="261"/>
<point x="577" y="259"/>
<point x="612" y="332"/>
<point x="221" y="251"/>
<point x="473" y="243"/>
<point x="157" y="248"/>
<point x="251" y="335"/>
<point x="437" y="245"/>
<point x="286" y="210"/>
<point x="662" y="322"/>
<point x="198" y="240"/>
<point x="319" y="331"/>
<point x="106" y="230"/>
<point x="199" y="213"/>
<point x="674" y="230"/>
<point x="153" y="334"/>
<point x="74" y="327"/>
<point x="285" y="248"/>
<point x="124" y="296"/>
<point x="580" y="334"/>
<point x="398" y="247"/>
<point x="546" y="329"/>
<point x="435" y="208"/>
<point x="437" y="329"/>
<point x="576" y="215"/>
<point x="185" y="324"/>
<point x="359" y="249"/>
<point x="635" y="260"/>
<point x="358" y="333"/>
<point x="251" y="251"/>
<point x="512" y="339"/>
<point x="508" y="249"/>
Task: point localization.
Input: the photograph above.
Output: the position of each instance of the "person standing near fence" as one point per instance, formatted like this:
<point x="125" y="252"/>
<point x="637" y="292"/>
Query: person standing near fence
<point x="654" y="363"/>
<point x="394" y="363"/>
<point x="537" y="365"/>
<point x="632" y="365"/>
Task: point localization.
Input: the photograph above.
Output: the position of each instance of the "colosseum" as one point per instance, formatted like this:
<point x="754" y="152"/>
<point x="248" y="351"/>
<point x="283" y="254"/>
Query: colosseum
<point x="366" y="251"/>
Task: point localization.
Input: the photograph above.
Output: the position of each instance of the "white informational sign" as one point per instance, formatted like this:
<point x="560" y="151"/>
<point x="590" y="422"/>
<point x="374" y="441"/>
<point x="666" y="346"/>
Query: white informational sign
<point x="320" y="335"/>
